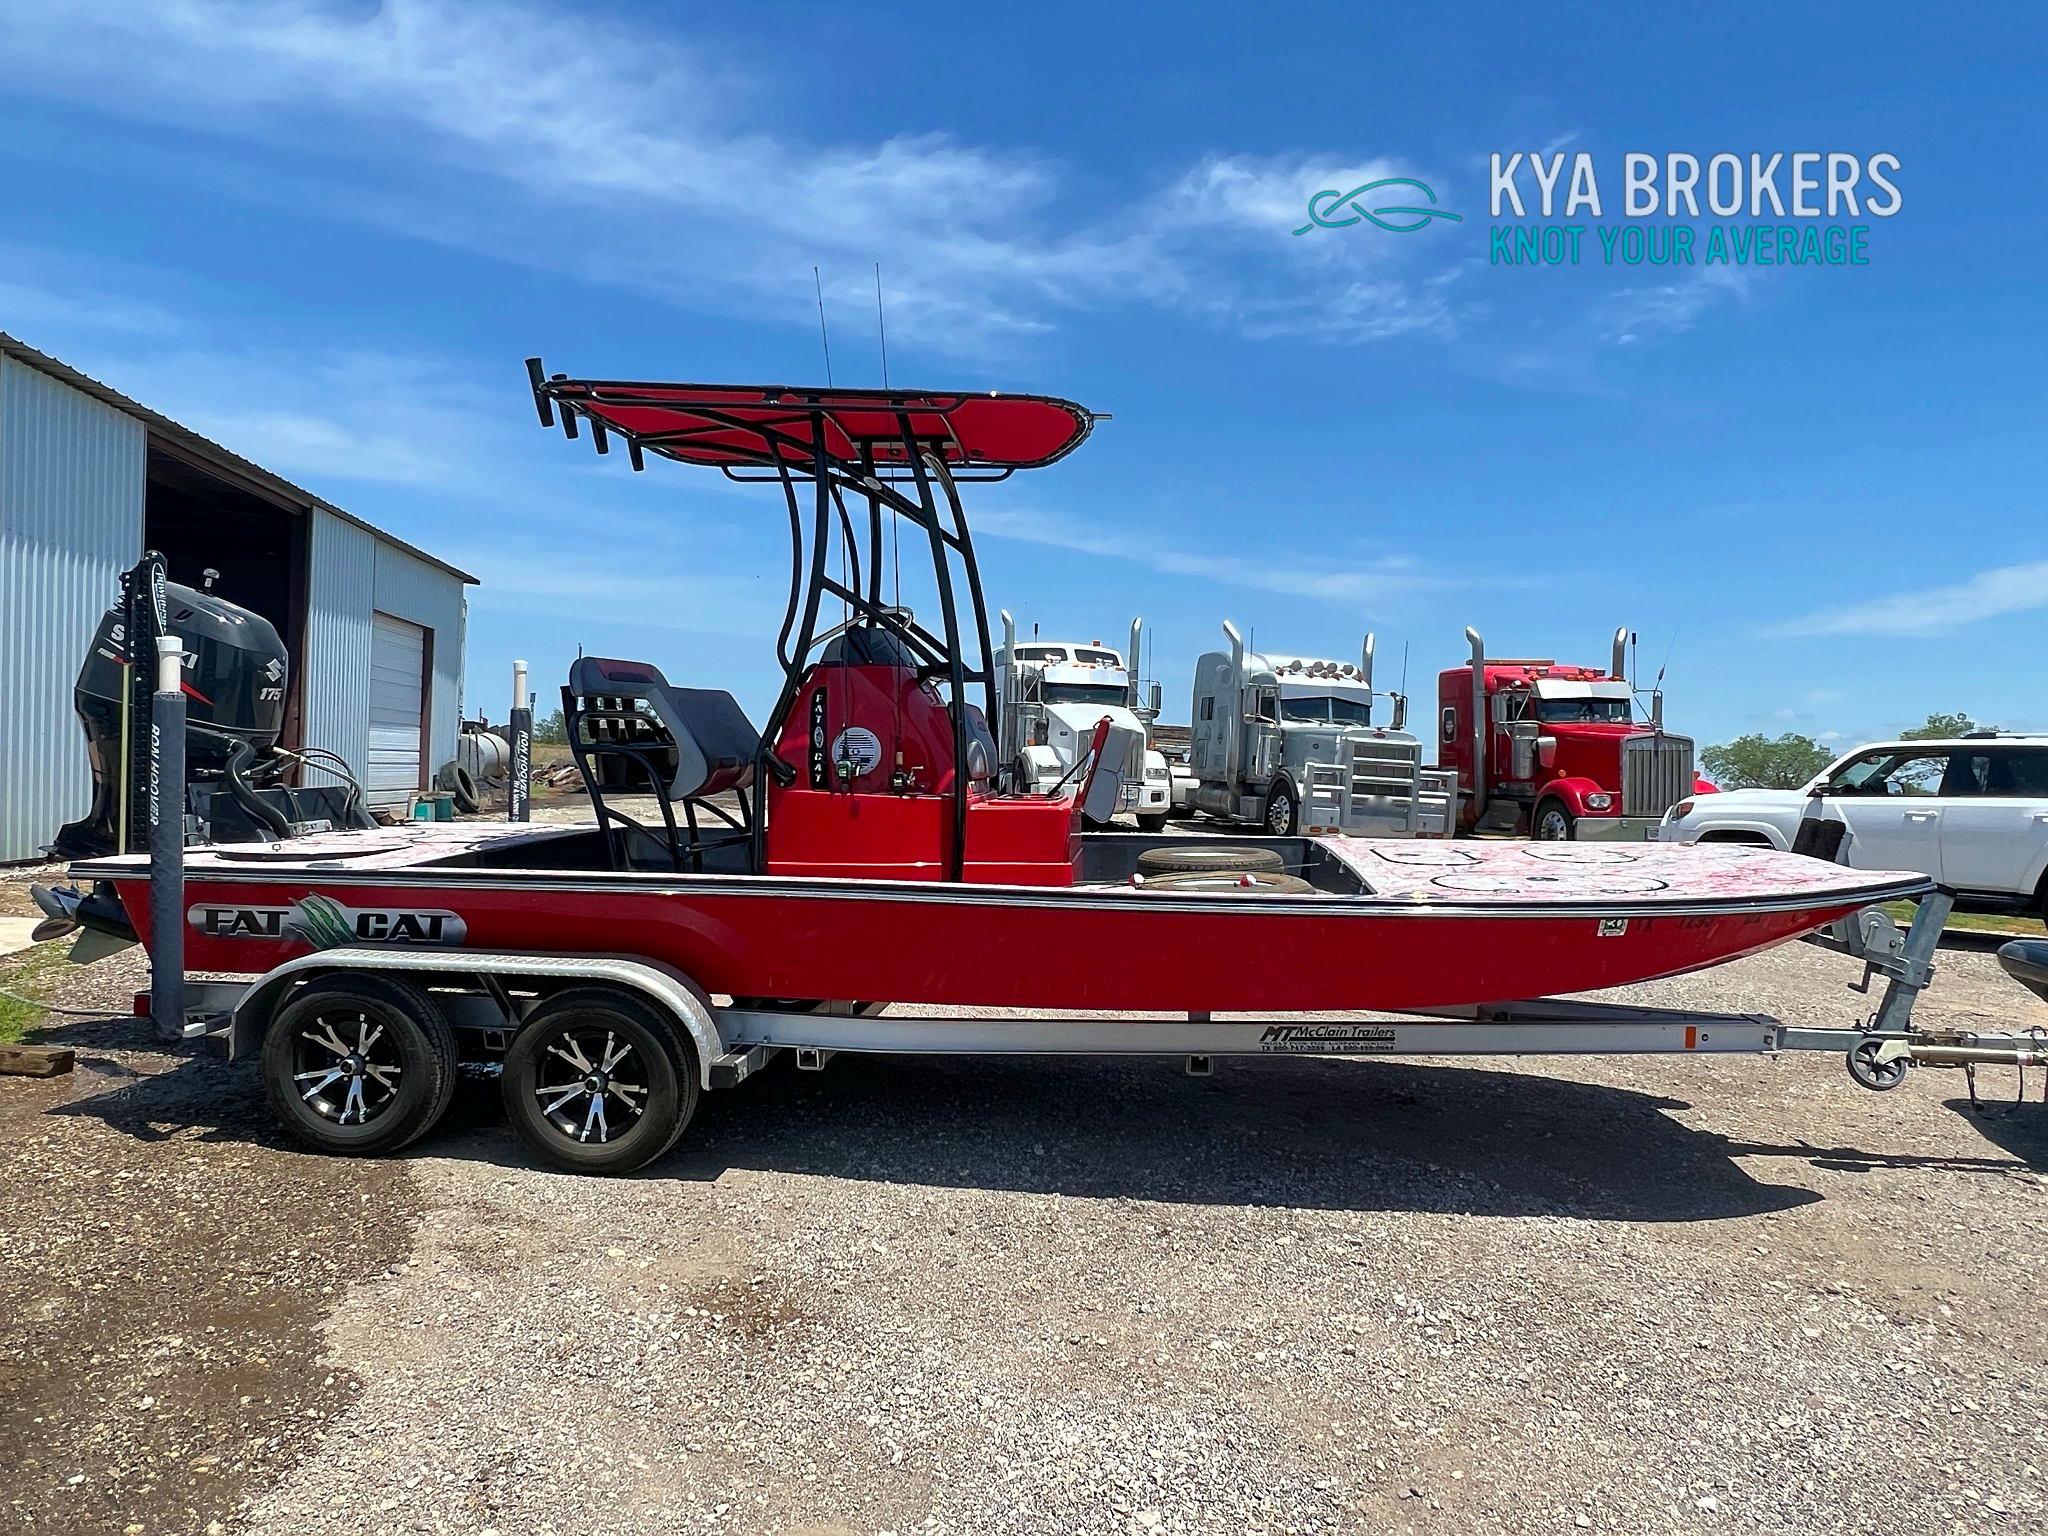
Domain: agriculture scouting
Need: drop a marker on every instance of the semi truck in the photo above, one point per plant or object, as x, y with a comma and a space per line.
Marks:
1290, 743
1050, 694
1559, 750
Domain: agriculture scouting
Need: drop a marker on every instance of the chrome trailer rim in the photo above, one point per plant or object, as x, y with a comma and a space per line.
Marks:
345, 1068
591, 1084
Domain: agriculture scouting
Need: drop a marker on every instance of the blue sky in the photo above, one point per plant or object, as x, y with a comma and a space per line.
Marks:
326, 234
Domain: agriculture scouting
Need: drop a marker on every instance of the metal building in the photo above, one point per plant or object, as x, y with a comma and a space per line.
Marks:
89, 480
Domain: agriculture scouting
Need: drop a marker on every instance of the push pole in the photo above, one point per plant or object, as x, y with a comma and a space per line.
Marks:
518, 786
166, 802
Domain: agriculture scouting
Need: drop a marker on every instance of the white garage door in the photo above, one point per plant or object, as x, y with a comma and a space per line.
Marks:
398, 665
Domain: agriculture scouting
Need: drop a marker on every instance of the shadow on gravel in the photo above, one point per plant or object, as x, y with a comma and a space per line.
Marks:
2021, 1129
1319, 1134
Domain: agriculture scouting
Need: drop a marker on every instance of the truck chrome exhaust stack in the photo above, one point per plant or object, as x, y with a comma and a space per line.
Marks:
1478, 721
1131, 662
1234, 736
1365, 660
1007, 746
1620, 667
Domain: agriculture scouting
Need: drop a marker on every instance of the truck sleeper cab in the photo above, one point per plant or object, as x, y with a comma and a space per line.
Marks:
1051, 695
1290, 743
1562, 754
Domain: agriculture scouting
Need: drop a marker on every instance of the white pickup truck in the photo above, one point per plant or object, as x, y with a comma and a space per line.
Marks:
1972, 812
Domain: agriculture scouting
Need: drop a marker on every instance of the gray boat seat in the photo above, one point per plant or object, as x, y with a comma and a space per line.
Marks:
693, 742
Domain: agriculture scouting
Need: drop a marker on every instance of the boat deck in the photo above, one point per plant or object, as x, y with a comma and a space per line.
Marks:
1468, 875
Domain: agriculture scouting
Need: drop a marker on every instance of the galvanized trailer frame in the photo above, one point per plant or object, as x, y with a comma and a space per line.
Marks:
490, 997
487, 994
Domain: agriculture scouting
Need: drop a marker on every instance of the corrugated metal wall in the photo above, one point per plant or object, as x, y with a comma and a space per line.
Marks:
71, 499
343, 589
355, 574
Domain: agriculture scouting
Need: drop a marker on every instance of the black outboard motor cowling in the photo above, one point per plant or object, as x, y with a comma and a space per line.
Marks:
234, 702
234, 680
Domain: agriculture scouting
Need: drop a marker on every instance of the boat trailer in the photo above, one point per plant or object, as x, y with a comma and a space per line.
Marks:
486, 997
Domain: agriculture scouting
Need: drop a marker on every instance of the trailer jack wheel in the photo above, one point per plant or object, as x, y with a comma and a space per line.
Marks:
599, 1081
1878, 1073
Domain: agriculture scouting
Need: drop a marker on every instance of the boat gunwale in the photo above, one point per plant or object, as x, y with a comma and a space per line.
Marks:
1085, 897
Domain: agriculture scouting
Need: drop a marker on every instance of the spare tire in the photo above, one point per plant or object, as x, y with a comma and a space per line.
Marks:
461, 783
1241, 882
1208, 859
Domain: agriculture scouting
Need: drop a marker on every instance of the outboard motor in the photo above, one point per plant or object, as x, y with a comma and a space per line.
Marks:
235, 676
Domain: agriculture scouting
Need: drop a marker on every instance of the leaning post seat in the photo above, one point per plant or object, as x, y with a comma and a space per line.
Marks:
631, 732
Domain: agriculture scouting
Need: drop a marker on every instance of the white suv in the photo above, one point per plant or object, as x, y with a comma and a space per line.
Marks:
1971, 812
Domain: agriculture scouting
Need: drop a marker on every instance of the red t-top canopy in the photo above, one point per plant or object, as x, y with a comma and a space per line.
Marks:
737, 425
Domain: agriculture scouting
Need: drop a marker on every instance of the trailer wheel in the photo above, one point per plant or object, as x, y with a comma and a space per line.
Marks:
1152, 821
599, 1081
359, 1064
1282, 816
1878, 1076
1554, 823
1207, 859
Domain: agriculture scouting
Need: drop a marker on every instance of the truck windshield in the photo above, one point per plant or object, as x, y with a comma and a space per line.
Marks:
1082, 693
1316, 708
1585, 711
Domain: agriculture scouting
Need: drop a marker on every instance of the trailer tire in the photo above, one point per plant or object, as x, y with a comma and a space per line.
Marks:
1253, 882
555, 1108
1152, 821
1552, 823
1283, 814
1208, 859
400, 1034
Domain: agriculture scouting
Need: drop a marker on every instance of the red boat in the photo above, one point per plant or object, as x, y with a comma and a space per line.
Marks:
865, 847
1377, 925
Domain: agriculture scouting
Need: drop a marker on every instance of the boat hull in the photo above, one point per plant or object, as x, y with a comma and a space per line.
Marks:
984, 947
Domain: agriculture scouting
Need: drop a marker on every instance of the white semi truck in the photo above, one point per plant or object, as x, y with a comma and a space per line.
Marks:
1290, 744
1050, 694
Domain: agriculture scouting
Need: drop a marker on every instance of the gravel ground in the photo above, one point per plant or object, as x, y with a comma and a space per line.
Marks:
1302, 1295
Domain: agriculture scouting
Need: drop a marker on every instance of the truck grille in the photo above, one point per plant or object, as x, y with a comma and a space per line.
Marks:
1384, 769
1656, 773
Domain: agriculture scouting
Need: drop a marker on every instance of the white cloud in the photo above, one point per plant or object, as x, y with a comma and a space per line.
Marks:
28, 311
1630, 314
571, 140
387, 419
1932, 610
1371, 584
521, 577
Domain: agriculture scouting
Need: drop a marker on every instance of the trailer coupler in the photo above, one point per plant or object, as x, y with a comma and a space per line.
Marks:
1879, 1053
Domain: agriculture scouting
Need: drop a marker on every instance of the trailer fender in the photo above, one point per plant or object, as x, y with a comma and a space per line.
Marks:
666, 988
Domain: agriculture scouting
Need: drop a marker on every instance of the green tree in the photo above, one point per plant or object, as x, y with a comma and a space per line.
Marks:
550, 728
1756, 761
1940, 726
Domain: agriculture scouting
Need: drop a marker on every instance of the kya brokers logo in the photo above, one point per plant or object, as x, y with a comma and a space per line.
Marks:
1323, 208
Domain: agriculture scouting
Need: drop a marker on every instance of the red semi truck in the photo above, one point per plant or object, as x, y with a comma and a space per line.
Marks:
1562, 752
